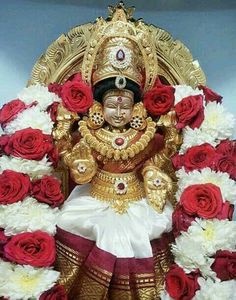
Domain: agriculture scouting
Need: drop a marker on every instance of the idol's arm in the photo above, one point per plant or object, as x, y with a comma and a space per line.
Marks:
158, 173
78, 158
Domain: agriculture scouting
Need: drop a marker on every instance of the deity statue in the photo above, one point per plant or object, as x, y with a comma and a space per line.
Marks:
112, 239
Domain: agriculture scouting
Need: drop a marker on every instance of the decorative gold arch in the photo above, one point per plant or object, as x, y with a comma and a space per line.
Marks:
64, 57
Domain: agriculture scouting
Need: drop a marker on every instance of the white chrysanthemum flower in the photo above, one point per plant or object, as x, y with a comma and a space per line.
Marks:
28, 216
190, 255
34, 168
183, 91
6, 268
213, 234
195, 137
32, 117
165, 296
40, 94
216, 290
27, 282
206, 175
217, 121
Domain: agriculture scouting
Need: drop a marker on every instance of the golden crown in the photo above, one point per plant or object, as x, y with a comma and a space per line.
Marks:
120, 47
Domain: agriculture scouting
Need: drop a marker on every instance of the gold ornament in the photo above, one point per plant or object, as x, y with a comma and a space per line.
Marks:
118, 154
158, 187
81, 163
96, 118
139, 116
118, 189
119, 47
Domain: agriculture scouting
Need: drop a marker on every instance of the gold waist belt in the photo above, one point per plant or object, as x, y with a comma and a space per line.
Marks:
118, 189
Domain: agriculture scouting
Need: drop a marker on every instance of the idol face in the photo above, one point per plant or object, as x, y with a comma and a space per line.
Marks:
117, 109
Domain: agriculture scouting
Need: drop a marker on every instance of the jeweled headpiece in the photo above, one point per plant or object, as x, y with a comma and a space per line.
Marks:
122, 48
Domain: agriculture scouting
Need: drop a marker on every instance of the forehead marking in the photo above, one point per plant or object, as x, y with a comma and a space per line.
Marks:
119, 99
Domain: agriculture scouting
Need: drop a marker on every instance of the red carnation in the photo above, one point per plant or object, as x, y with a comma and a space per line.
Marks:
199, 157
31, 248
203, 200
14, 187
76, 95
48, 190
159, 100
181, 220
210, 95
29, 144
55, 293
181, 286
190, 112
225, 265
10, 110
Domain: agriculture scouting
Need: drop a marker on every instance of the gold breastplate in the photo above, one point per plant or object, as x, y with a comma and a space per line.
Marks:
118, 189
118, 146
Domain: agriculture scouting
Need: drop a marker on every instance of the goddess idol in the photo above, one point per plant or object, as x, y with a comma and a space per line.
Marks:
114, 229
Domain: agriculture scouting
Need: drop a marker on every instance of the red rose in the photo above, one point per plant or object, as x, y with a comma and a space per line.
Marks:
53, 156
55, 88
55, 293
14, 187
199, 157
31, 248
76, 95
210, 95
226, 161
227, 147
181, 286
226, 212
48, 190
3, 240
203, 200
29, 144
225, 265
10, 110
177, 161
181, 221
159, 100
3, 142
52, 110
190, 112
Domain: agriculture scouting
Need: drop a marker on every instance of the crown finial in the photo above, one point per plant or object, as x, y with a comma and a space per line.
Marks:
120, 11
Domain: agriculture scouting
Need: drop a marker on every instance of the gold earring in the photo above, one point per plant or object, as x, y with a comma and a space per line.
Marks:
96, 118
139, 115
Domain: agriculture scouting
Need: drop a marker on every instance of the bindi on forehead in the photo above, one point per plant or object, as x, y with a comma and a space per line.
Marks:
119, 99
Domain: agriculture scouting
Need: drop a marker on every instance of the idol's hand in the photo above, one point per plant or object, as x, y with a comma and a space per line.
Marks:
81, 163
158, 187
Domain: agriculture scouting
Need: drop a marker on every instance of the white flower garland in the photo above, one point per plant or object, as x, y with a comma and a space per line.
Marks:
27, 282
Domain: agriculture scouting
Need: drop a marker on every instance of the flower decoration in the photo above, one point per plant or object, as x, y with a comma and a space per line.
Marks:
31, 248
76, 95
159, 100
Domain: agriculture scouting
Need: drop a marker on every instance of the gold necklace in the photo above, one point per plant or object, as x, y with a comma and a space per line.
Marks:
118, 153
